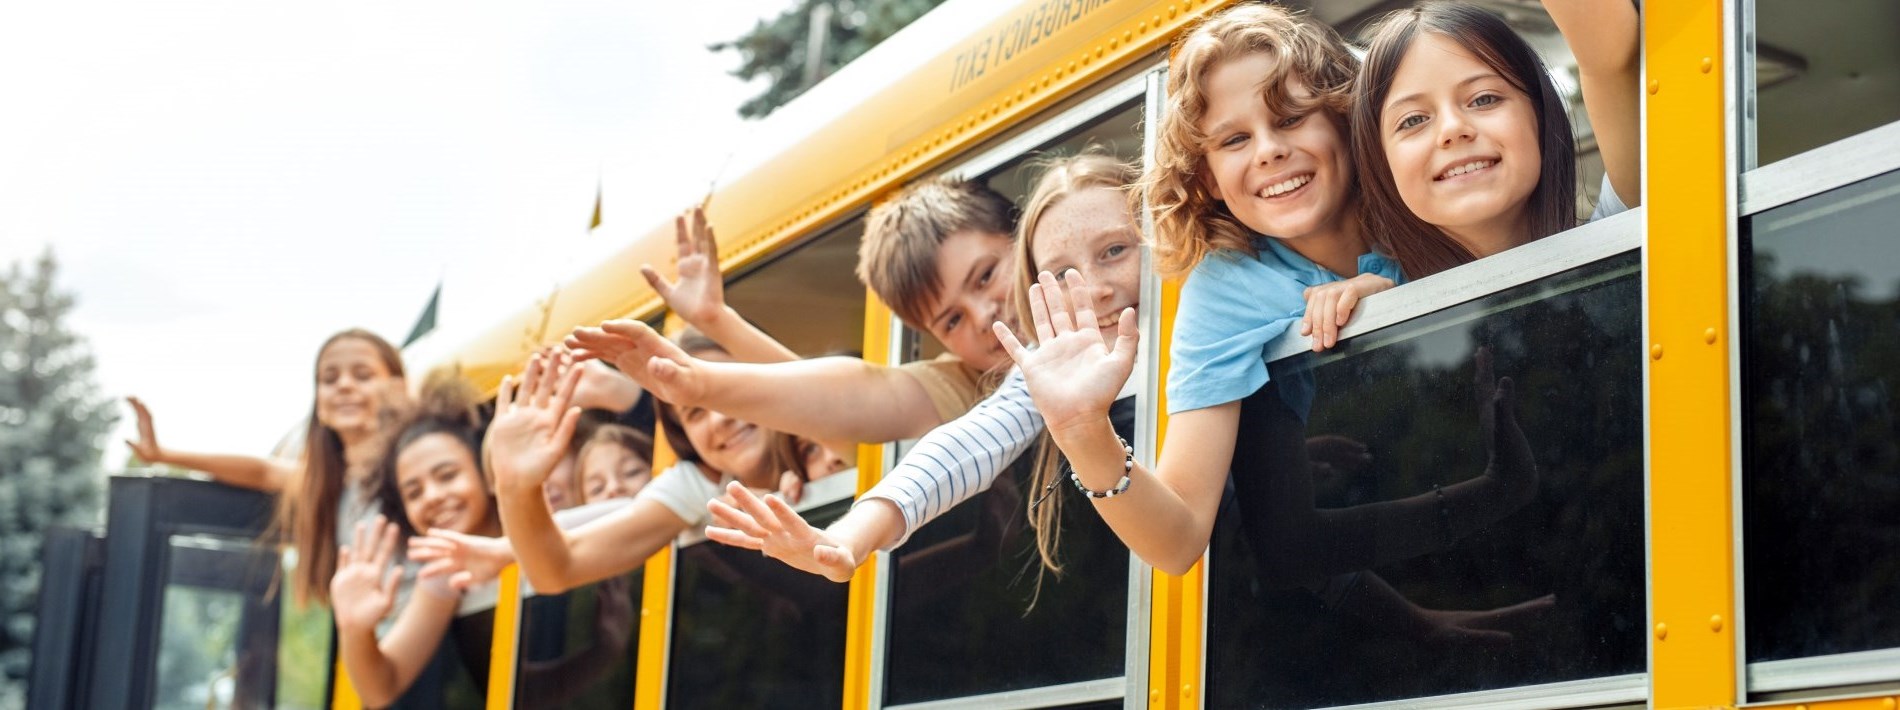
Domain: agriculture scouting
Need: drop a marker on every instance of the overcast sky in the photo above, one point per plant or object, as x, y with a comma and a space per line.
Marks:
226, 183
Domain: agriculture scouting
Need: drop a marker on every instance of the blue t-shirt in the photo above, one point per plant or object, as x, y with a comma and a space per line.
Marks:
1231, 306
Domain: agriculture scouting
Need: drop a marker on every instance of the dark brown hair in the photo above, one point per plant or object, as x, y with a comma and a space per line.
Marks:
621, 435
447, 405
307, 507
1421, 248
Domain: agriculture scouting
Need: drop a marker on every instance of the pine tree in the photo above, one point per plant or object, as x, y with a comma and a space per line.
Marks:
53, 421
778, 48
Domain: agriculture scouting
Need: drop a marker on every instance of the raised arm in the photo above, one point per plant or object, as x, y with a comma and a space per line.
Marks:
1164, 516
951, 464
1604, 37
699, 296
528, 437
833, 399
362, 593
268, 475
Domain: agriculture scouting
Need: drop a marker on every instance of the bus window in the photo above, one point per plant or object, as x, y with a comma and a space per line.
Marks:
1389, 536
750, 632
1015, 627
1820, 462
1821, 73
578, 649
809, 299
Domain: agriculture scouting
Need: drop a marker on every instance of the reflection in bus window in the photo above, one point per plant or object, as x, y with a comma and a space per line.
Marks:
578, 649
1365, 529
1823, 73
750, 632
1821, 462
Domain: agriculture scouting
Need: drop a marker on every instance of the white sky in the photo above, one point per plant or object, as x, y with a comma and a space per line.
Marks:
226, 183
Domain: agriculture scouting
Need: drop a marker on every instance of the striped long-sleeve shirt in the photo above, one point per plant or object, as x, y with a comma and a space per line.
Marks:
960, 459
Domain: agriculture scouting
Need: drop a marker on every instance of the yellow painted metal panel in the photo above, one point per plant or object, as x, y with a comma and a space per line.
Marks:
342, 693
649, 671
861, 623
1177, 618
503, 644
1692, 645
1028, 59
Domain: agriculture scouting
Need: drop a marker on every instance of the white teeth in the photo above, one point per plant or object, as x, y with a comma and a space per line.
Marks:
1470, 167
1289, 185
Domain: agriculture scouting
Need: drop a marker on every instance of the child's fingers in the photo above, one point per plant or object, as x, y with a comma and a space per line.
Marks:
530, 394
740, 517
1347, 302
1127, 335
787, 518
1078, 287
735, 538
461, 581
682, 236
754, 507
659, 284
570, 381
438, 568
1010, 344
564, 431
505, 395
386, 549
1039, 311
1061, 313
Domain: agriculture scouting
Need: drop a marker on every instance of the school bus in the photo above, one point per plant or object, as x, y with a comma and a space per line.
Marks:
1707, 382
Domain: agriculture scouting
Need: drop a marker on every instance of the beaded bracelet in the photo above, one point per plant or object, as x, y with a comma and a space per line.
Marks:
1128, 466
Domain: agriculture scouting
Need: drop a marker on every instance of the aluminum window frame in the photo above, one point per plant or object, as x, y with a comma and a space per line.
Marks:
1131, 686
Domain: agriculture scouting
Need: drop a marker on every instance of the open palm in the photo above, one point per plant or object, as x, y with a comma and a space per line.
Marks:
532, 426
1073, 374
700, 294
772, 527
639, 351
364, 588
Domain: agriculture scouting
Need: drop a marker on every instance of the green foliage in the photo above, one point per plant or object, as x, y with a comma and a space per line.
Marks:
777, 48
52, 424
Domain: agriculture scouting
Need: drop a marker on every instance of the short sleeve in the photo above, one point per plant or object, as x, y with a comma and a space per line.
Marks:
684, 491
1231, 306
1608, 203
952, 386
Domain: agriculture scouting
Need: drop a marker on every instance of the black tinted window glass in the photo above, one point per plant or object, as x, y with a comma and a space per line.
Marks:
966, 617
1823, 72
1821, 440
750, 632
578, 649
1374, 548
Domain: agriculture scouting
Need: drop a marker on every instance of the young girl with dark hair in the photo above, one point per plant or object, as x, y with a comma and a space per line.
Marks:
1463, 141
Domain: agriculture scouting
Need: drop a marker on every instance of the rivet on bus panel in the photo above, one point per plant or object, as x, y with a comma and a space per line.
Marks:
1128, 36
1662, 631
1157, 21
1171, 12
1887, 703
1070, 69
1708, 65
1655, 351
1187, 690
1708, 336
1154, 697
1141, 26
1654, 86
1715, 623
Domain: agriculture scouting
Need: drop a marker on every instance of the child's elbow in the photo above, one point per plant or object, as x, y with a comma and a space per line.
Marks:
548, 584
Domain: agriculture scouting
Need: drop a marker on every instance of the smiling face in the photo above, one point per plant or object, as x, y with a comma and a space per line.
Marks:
971, 273
732, 446
441, 486
352, 380
1288, 177
1092, 231
612, 471
1462, 144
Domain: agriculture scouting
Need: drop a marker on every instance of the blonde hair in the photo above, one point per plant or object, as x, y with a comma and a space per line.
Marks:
898, 257
1061, 177
1189, 218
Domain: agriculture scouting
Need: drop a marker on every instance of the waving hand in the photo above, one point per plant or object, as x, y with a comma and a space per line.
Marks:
1073, 374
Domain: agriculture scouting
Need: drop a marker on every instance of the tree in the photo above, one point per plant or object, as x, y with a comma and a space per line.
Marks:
781, 48
52, 426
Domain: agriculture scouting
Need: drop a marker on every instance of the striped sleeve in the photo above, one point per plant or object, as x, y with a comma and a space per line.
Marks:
960, 459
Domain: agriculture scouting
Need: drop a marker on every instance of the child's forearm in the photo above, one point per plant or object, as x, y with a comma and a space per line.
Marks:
742, 340
233, 469
1166, 516
962, 458
827, 399
1604, 36
371, 673
540, 547
872, 524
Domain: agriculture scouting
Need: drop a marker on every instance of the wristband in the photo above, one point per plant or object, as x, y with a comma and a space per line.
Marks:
1128, 467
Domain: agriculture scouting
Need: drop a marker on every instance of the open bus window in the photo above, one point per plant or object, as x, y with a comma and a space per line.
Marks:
579, 649
1822, 73
971, 612
1821, 465
1384, 515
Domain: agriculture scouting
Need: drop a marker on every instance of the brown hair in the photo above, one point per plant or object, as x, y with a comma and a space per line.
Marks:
1061, 177
447, 405
693, 342
898, 257
1421, 248
1190, 220
307, 507
620, 435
